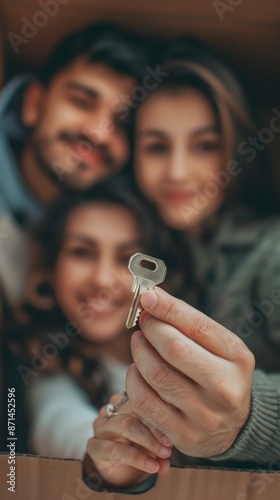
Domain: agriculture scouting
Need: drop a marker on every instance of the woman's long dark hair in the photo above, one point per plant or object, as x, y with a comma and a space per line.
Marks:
32, 333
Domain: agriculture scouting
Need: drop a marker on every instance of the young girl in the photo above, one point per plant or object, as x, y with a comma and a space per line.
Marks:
199, 160
73, 327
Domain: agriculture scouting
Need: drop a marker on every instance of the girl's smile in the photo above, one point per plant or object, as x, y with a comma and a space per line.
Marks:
92, 282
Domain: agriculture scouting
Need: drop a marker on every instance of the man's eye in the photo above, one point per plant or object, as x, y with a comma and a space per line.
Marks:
81, 103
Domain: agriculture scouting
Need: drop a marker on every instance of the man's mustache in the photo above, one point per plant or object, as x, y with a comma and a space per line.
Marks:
87, 143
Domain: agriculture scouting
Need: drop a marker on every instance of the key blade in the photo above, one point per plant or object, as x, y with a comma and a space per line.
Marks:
134, 310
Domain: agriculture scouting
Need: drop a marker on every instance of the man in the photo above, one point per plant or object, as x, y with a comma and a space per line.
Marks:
65, 130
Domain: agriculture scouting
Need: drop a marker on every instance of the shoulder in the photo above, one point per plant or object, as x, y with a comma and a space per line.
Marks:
13, 88
243, 228
241, 237
60, 386
268, 231
264, 253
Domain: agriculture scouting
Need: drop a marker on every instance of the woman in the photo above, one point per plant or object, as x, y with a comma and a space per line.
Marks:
196, 163
75, 348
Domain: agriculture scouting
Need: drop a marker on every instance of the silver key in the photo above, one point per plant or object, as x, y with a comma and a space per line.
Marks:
143, 279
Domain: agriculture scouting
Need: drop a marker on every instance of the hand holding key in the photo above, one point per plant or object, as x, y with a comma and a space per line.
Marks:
143, 279
124, 450
191, 378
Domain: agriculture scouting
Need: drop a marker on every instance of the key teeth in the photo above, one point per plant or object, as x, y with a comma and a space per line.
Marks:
128, 325
137, 316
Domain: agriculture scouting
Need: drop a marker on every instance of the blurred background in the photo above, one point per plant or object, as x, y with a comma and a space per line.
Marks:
245, 32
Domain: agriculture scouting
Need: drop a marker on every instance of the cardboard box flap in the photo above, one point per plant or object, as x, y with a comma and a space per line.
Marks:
39, 478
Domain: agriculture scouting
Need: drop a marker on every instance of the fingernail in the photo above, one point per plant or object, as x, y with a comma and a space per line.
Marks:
149, 299
136, 336
143, 318
165, 452
166, 441
151, 465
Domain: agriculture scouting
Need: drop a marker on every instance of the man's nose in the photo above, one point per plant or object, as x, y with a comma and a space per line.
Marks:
101, 129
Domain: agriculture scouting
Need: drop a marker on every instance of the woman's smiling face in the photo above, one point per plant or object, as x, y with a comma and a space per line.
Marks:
179, 153
91, 278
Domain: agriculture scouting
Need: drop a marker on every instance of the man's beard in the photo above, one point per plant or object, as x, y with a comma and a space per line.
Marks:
55, 169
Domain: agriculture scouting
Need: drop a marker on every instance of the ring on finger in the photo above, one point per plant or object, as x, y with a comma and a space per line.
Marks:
111, 410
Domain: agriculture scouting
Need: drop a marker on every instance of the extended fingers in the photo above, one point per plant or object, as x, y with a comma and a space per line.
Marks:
205, 427
110, 455
190, 322
148, 405
177, 366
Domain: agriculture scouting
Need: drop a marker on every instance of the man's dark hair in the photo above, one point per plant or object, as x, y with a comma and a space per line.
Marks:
101, 42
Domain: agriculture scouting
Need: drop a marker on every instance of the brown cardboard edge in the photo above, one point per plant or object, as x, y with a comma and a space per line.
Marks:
45, 478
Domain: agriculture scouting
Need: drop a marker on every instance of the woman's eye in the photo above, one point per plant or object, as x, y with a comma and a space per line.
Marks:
81, 252
156, 148
206, 146
124, 260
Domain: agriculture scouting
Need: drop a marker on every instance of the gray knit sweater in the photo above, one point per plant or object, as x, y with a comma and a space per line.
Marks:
240, 270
